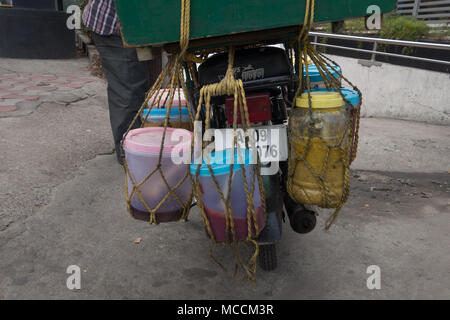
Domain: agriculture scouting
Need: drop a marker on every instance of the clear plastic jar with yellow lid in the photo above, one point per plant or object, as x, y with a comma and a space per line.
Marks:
319, 140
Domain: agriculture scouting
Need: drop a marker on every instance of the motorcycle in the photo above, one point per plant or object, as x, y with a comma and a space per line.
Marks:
269, 83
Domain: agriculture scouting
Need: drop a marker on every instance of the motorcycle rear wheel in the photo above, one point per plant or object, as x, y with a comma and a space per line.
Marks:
268, 257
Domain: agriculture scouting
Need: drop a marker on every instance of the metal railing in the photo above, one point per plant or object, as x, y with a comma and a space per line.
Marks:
432, 11
376, 41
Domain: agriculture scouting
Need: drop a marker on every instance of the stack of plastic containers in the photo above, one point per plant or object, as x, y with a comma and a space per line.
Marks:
179, 114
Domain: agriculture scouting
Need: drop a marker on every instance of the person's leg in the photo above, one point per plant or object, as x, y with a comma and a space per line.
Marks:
127, 84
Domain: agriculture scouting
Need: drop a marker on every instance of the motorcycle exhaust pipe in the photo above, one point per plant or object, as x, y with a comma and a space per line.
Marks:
301, 219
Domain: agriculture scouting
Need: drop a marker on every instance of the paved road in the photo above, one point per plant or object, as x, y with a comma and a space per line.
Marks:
62, 203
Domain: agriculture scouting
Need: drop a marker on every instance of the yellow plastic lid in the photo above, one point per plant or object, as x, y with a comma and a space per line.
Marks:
320, 100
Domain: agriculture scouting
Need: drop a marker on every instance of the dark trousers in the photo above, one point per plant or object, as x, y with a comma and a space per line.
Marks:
128, 81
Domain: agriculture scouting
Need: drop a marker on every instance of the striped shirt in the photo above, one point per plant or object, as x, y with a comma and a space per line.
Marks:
100, 17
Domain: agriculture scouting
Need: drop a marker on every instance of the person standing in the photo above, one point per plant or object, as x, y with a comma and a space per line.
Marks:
127, 77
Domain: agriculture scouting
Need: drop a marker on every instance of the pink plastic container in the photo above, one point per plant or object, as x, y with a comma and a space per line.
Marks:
175, 103
142, 149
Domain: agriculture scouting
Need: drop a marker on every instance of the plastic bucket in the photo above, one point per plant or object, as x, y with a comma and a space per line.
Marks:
214, 207
142, 150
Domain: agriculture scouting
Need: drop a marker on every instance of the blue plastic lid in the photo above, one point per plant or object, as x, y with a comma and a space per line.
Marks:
161, 112
314, 74
221, 162
351, 95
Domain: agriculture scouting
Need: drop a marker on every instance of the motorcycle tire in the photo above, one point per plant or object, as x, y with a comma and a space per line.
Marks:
268, 257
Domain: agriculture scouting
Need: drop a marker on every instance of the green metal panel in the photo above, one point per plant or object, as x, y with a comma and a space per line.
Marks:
146, 22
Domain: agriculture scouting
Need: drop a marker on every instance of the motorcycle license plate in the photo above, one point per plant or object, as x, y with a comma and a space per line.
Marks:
271, 141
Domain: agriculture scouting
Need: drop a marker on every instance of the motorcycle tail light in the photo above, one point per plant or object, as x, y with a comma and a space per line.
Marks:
258, 105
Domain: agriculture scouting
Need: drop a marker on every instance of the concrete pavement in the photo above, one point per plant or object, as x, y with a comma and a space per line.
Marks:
62, 203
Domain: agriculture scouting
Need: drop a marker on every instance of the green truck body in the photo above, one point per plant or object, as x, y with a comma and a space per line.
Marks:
156, 22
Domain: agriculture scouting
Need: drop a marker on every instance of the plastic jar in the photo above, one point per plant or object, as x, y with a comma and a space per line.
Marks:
157, 117
354, 99
315, 77
213, 205
142, 149
328, 127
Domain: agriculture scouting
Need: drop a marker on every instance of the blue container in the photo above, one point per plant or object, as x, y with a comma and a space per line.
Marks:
213, 205
315, 77
221, 165
158, 115
352, 96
